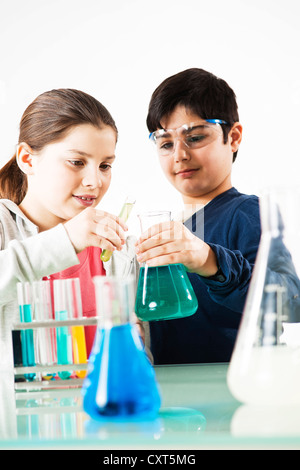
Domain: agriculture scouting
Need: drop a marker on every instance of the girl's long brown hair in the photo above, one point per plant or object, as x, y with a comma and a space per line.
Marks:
46, 120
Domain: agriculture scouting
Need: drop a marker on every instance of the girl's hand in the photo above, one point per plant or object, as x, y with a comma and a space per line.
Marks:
172, 242
93, 227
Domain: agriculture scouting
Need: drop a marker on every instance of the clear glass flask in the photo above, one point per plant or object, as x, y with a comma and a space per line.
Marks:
121, 382
163, 292
265, 364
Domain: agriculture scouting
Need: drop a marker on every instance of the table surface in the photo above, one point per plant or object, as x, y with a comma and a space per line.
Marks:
197, 412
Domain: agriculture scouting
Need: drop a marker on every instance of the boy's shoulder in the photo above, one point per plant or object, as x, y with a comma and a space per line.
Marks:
233, 194
232, 200
227, 210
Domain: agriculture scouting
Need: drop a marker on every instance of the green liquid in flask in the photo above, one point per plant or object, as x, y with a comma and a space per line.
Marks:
164, 293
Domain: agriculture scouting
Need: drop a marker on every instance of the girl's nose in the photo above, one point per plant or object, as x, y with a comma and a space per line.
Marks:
92, 178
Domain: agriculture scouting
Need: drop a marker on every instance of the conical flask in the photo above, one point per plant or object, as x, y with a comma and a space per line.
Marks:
121, 382
265, 364
163, 292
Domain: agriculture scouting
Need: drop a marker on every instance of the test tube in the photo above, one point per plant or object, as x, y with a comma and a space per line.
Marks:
71, 344
124, 214
46, 341
24, 293
78, 334
63, 333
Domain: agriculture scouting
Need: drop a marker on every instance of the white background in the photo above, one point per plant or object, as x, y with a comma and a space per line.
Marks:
120, 50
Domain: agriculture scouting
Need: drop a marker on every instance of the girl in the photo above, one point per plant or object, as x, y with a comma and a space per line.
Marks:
49, 222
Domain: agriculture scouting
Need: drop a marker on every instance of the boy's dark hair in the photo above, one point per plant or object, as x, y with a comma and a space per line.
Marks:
199, 91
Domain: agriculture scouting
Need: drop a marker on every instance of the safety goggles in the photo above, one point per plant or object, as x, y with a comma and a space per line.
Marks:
193, 135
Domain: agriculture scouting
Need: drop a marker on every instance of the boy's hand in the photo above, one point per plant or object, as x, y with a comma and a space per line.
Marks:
93, 227
172, 242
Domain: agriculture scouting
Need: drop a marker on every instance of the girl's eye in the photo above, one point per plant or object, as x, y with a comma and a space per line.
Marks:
76, 162
105, 167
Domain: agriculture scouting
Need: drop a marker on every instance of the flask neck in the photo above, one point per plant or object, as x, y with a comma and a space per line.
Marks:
114, 301
115, 315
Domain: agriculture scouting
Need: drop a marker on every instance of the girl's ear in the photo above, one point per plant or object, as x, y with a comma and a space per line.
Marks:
24, 156
235, 135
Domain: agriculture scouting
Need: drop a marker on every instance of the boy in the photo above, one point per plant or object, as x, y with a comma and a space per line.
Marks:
194, 123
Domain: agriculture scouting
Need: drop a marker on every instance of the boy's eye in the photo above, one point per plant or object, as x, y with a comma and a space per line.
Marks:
167, 145
192, 139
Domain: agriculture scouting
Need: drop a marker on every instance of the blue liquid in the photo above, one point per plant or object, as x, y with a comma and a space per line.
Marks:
27, 341
64, 344
121, 381
165, 293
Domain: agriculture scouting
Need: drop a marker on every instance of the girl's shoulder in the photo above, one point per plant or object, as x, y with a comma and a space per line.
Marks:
8, 212
14, 224
8, 207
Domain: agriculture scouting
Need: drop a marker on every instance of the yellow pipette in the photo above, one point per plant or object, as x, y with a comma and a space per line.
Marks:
124, 214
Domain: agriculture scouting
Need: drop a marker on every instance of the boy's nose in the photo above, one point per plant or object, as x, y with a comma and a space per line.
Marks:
180, 150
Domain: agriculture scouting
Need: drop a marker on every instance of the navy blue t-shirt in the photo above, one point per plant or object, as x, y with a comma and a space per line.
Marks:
232, 229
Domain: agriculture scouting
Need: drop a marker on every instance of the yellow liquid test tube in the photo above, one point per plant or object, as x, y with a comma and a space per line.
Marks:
124, 214
79, 349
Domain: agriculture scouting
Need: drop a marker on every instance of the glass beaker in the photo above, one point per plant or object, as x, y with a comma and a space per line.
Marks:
121, 382
163, 292
265, 364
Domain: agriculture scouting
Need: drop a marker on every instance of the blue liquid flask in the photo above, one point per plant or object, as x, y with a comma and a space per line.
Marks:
27, 337
163, 292
121, 382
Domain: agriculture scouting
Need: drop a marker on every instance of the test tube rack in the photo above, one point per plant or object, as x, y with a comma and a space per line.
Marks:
38, 383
